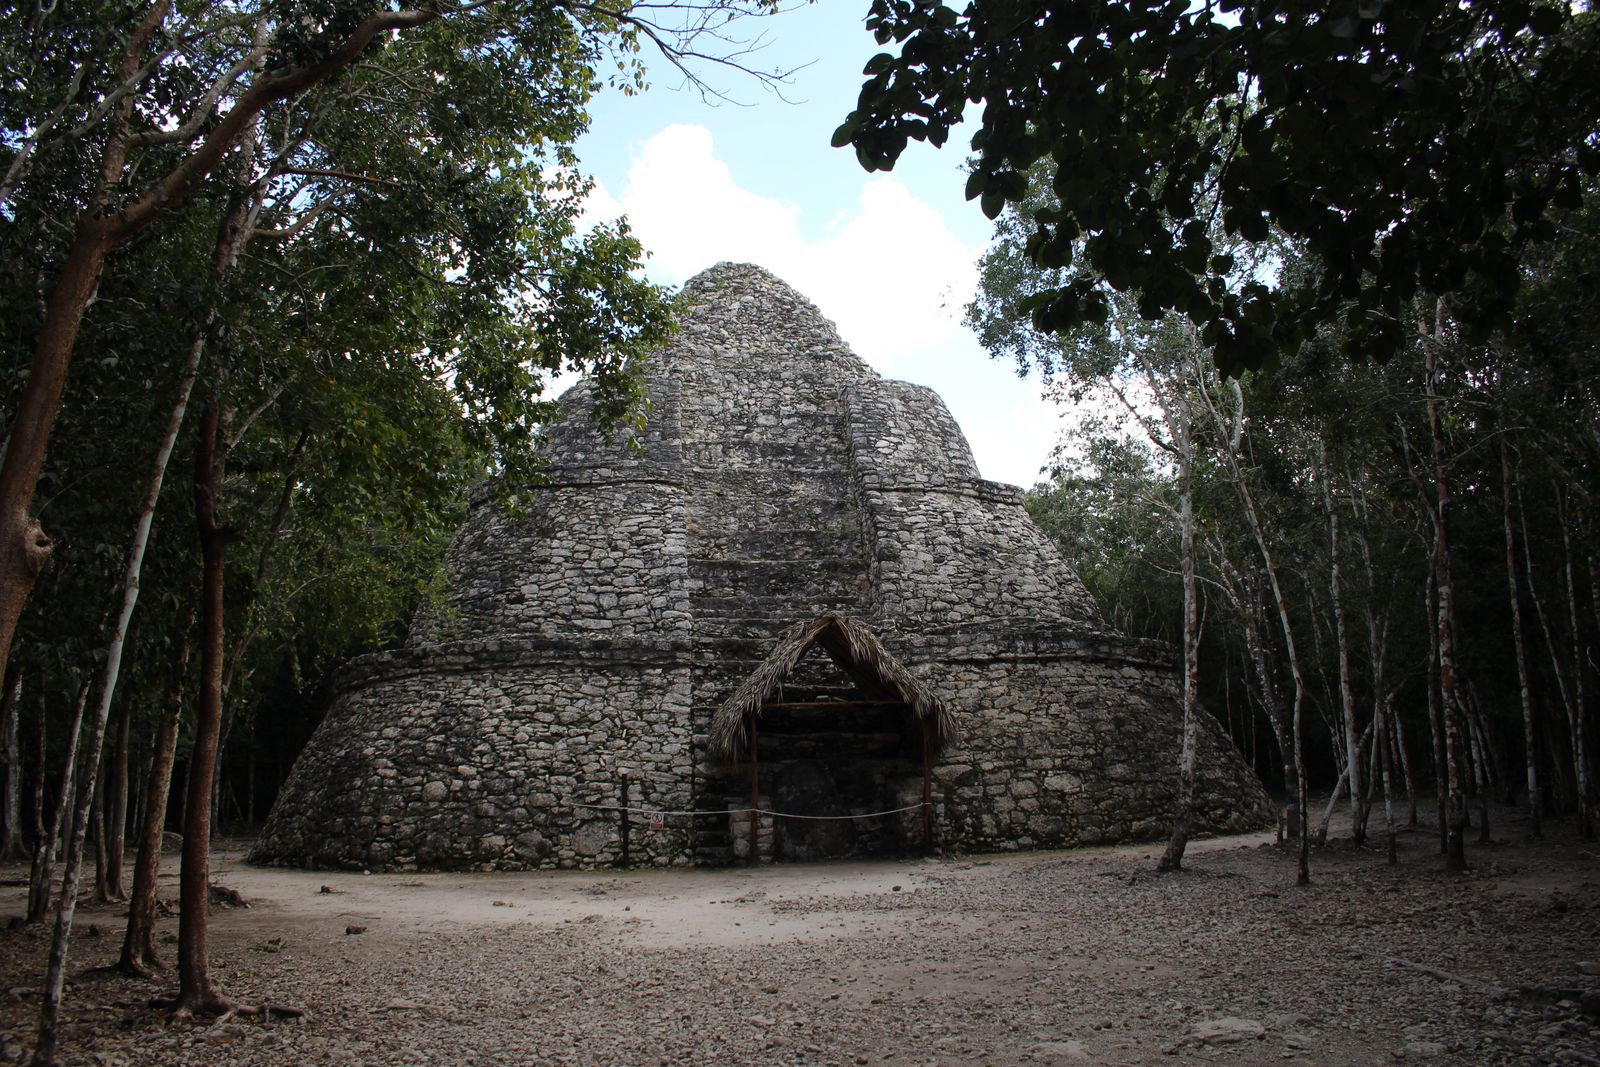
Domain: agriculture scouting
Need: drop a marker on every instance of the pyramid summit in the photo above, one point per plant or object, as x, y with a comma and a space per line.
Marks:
792, 596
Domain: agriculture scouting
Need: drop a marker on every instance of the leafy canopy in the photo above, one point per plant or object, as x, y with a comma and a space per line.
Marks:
1405, 147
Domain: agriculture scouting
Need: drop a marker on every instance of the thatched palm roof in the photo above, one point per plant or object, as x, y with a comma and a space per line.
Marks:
858, 653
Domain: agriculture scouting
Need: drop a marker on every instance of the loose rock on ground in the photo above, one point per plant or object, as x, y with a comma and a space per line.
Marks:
1052, 958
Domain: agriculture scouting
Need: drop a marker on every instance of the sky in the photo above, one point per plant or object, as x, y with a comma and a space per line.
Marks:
890, 258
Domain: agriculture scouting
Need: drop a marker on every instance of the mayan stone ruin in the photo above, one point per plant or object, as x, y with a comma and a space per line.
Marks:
799, 563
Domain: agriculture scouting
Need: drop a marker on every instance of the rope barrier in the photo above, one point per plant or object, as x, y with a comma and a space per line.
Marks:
759, 811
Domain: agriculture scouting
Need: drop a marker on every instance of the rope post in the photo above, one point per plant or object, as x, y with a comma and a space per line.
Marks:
755, 798
622, 774
927, 786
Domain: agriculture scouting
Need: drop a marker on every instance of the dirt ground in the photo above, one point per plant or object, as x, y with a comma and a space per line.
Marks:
1043, 958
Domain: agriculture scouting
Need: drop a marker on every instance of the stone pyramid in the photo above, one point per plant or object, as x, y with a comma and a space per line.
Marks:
553, 710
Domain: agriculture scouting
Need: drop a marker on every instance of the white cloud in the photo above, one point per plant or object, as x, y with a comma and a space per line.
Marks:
888, 271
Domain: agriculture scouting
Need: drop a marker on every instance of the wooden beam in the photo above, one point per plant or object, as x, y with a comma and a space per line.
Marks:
927, 786
755, 798
823, 705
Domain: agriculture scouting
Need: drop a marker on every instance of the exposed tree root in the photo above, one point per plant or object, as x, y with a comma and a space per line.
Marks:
193, 1008
1446, 976
148, 968
1588, 1000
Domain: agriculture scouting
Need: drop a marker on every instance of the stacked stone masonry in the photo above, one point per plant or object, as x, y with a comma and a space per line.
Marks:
590, 636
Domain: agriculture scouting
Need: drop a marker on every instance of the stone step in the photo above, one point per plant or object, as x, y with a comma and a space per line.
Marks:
726, 517
782, 539
738, 454
827, 578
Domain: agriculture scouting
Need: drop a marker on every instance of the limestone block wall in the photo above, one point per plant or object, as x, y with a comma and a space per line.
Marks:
597, 629
773, 523
482, 755
737, 311
948, 548
587, 557
1071, 738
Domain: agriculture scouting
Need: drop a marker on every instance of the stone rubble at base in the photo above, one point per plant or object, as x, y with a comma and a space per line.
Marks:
593, 635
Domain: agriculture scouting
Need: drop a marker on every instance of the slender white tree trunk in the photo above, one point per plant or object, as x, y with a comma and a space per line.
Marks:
1241, 486
1580, 756
55, 970
1172, 858
44, 852
1525, 691
1347, 698
1454, 754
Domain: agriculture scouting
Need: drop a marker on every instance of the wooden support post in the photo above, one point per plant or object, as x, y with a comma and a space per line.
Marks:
755, 797
623, 774
927, 787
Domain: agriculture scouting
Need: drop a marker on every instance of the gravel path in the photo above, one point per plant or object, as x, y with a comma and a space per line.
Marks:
1081, 957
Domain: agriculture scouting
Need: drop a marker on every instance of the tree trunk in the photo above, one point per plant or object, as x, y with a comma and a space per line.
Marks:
1580, 725
1380, 719
1479, 747
104, 226
10, 734
251, 626
1405, 759
1455, 824
44, 852
1172, 858
1435, 719
1347, 698
55, 974
1580, 758
196, 995
23, 544
1556, 666
139, 942
97, 826
1246, 600
1296, 718
1340, 786
117, 841
1524, 688
40, 751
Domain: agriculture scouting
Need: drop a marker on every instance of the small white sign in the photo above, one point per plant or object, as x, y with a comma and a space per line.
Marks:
657, 820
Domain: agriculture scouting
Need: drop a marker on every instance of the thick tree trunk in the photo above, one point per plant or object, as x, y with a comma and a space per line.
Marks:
23, 544
196, 995
10, 735
139, 941
1524, 688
